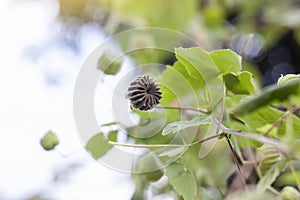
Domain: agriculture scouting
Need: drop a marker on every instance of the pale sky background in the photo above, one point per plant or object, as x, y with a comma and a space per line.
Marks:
36, 96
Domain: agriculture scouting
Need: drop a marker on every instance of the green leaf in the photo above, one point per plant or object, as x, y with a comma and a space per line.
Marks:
172, 152
268, 156
109, 64
255, 121
288, 178
109, 124
288, 78
112, 136
261, 120
178, 126
178, 85
266, 127
268, 96
149, 166
240, 83
226, 60
183, 180
198, 63
49, 141
98, 145
270, 176
201, 67
289, 193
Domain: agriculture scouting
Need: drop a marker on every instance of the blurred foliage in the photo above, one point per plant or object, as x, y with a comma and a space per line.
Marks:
213, 20
256, 117
272, 25
266, 34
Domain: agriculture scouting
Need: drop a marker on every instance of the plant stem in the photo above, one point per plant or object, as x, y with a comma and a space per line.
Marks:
164, 145
222, 110
280, 120
241, 175
279, 145
250, 36
184, 108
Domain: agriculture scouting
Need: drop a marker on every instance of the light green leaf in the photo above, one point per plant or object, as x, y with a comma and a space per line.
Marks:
255, 120
183, 180
172, 152
289, 178
49, 141
268, 156
287, 78
178, 126
198, 63
259, 120
240, 83
268, 127
270, 176
178, 85
268, 96
289, 193
98, 145
109, 64
226, 60
202, 68
109, 124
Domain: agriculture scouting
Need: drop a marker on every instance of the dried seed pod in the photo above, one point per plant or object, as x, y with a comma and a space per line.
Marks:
143, 93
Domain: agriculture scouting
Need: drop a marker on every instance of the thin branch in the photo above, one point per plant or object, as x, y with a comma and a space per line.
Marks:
241, 175
281, 119
222, 110
164, 145
260, 138
184, 108
250, 36
146, 145
279, 145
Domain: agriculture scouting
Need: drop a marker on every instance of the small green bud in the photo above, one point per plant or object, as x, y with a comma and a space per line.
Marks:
49, 141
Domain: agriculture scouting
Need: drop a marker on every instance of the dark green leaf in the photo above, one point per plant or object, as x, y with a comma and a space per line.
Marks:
240, 83
98, 145
183, 180
49, 141
226, 60
267, 96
